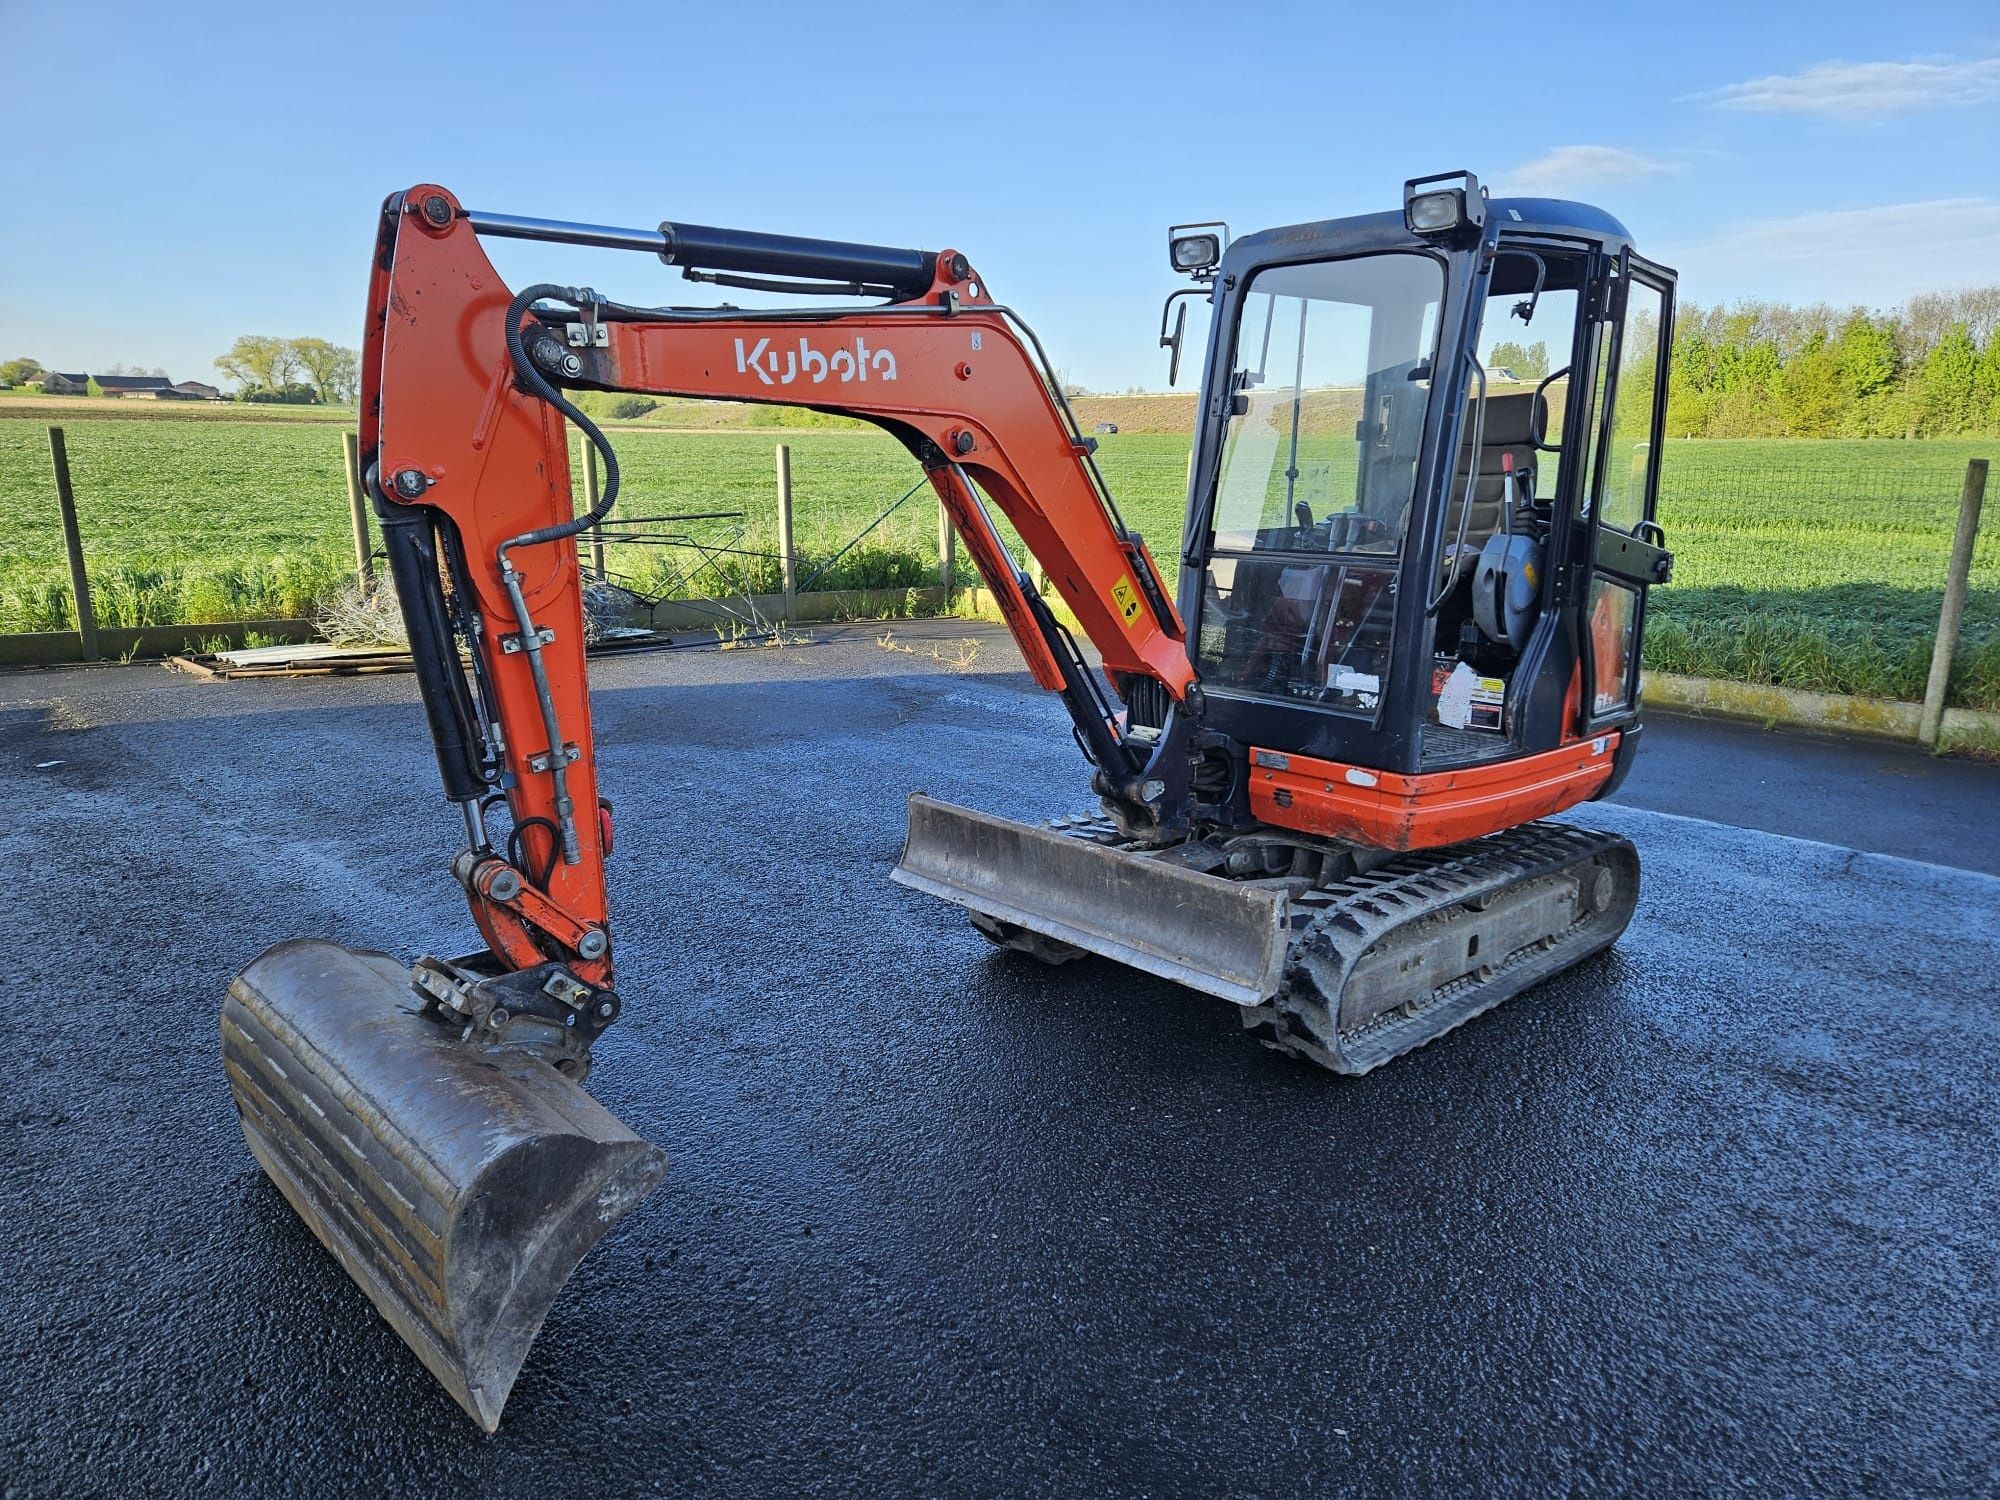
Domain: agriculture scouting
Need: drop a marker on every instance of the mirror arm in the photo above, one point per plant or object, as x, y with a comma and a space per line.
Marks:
1525, 311
1538, 437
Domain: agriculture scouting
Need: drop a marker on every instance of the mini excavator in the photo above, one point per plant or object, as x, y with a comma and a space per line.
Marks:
1411, 596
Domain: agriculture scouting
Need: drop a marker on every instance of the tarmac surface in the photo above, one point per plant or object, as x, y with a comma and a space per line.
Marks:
1715, 1210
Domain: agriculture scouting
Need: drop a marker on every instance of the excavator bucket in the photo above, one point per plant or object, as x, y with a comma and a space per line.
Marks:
1223, 937
457, 1187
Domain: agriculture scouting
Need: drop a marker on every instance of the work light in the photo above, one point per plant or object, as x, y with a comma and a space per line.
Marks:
1444, 210
1432, 212
1194, 249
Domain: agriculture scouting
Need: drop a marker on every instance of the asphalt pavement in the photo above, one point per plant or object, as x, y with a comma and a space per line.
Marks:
1716, 1210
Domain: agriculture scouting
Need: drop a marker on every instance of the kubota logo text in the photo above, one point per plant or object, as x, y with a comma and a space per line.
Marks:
843, 364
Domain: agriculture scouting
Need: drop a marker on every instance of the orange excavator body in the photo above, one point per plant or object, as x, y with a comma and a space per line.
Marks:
1275, 827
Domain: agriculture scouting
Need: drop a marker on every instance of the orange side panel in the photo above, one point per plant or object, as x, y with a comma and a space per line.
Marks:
1385, 810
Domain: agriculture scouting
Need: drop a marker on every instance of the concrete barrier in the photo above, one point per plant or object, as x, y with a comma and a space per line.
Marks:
1840, 712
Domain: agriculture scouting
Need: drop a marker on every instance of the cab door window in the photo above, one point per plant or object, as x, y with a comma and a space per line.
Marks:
1623, 490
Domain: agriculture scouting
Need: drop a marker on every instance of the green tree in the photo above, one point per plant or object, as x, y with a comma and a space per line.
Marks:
1866, 353
1691, 379
1529, 361
1986, 383
329, 367
255, 360
1949, 384
1810, 391
14, 371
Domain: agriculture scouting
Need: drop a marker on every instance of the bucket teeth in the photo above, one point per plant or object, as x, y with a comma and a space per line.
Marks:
458, 1188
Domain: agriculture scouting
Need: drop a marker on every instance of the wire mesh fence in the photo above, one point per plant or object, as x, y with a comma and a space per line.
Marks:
1821, 565
1807, 563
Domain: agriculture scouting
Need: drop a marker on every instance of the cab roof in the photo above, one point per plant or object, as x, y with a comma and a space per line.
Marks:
1360, 233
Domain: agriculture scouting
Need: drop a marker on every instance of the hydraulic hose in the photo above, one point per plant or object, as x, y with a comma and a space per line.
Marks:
531, 642
540, 386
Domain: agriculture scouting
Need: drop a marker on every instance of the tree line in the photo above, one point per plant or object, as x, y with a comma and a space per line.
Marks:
1930, 368
290, 370
265, 369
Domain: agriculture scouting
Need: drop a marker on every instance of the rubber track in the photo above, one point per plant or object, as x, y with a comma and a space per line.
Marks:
1335, 926
1345, 920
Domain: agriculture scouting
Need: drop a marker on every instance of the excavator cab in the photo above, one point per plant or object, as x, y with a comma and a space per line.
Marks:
1400, 554
1419, 539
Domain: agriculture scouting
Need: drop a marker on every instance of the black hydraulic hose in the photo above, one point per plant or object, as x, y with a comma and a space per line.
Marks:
539, 385
517, 850
530, 638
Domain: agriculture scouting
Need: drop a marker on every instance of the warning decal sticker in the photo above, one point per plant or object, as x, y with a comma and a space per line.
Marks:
1126, 597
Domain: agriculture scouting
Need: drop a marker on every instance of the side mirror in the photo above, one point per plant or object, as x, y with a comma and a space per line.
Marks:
1171, 342
1173, 325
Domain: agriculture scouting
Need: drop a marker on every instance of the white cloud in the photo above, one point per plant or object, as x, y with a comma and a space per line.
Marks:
1570, 168
1861, 91
1872, 256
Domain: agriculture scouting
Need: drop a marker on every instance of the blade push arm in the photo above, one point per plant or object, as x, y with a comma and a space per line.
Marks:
466, 449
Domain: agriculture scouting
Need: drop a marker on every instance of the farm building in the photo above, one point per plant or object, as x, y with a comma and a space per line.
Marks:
146, 387
61, 383
198, 390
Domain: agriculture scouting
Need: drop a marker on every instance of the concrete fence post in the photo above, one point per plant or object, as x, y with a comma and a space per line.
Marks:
590, 494
1957, 576
947, 551
788, 556
357, 509
79, 578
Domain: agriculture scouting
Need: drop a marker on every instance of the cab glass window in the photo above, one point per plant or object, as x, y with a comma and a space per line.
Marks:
1329, 387
1629, 467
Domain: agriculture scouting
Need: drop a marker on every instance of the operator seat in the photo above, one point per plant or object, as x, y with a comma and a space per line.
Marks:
1508, 432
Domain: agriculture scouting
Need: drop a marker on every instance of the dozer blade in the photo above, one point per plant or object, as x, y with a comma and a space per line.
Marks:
1223, 937
457, 1187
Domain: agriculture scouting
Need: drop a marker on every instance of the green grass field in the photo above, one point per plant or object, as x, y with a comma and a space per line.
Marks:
1814, 564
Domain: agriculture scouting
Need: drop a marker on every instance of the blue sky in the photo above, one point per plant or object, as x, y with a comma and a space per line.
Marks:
179, 174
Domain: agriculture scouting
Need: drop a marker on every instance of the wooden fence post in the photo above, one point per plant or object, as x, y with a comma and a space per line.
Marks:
79, 579
947, 551
788, 557
590, 494
357, 506
1949, 617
